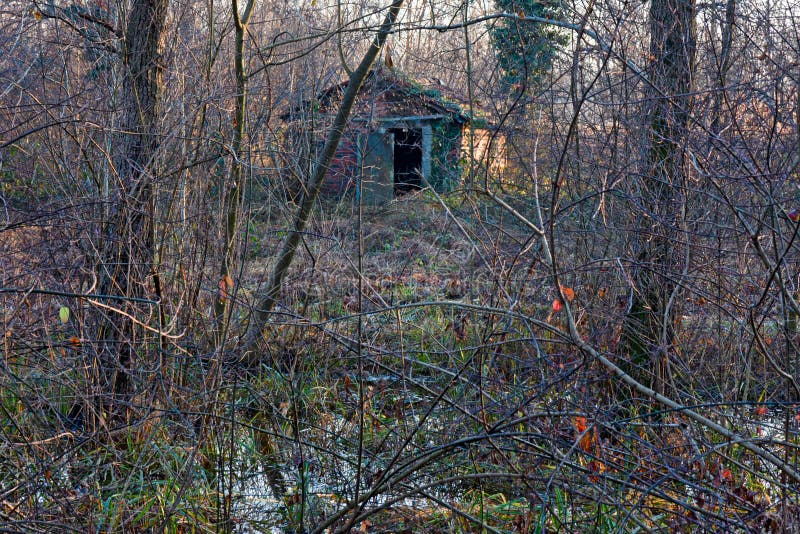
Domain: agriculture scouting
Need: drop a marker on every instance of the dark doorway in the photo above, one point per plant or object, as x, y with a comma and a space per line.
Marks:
407, 159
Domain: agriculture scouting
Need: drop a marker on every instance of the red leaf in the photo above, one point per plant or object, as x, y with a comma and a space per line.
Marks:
760, 411
580, 424
556, 305
596, 466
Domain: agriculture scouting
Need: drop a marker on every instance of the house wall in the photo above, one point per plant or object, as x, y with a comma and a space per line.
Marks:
441, 160
441, 139
342, 171
488, 150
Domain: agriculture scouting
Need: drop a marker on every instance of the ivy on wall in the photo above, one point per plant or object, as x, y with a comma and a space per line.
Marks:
446, 161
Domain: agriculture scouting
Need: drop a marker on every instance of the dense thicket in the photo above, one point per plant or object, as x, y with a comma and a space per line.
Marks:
595, 330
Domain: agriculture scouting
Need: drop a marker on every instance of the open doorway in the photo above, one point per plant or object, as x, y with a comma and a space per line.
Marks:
407, 159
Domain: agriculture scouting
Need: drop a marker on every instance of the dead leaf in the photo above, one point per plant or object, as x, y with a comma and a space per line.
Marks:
351, 303
596, 467
224, 288
454, 288
568, 293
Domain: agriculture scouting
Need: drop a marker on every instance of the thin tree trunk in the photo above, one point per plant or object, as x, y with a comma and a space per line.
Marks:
648, 332
127, 253
222, 304
251, 343
725, 61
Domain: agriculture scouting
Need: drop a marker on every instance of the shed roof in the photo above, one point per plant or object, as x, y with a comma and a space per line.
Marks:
400, 96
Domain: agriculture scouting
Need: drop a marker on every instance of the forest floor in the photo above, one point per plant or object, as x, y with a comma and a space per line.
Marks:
414, 379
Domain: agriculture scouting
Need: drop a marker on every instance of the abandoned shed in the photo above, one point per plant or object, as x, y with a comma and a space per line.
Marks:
401, 135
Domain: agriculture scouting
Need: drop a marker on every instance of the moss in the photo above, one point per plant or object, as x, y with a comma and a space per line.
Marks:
446, 168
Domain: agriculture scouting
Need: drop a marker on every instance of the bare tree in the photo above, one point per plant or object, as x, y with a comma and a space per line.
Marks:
127, 268
600, 335
649, 328
235, 185
285, 257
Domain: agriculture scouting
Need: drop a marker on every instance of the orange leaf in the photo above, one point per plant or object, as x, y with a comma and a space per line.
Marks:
224, 287
568, 293
586, 442
760, 411
75, 341
596, 466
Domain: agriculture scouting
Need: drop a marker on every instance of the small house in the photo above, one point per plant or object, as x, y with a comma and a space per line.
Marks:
401, 136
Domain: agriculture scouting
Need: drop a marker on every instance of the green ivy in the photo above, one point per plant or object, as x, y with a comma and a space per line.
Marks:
446, 167
525, 50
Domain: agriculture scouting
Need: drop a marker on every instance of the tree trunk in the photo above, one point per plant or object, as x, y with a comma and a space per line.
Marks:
127, 253
251, 349
725, 62
648, 331
232, 197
